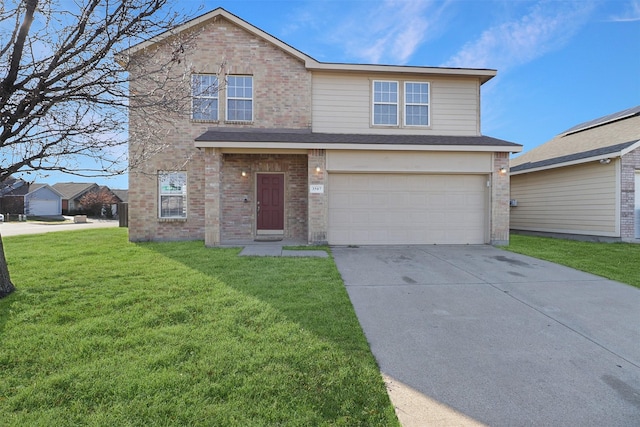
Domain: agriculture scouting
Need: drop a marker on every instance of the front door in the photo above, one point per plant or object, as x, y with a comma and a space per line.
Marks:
270, 203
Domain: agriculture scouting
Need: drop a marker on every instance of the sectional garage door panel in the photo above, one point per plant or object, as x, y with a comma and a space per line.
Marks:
43, 207
406, 209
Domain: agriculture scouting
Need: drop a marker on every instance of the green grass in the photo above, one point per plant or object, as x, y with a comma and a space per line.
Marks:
103, 332
615, 261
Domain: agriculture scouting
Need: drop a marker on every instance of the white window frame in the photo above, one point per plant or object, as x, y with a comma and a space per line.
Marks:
211, 93
417, 104
172, 184
229, 89
382, 103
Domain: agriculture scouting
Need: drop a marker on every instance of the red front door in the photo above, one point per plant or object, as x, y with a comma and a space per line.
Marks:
270, 203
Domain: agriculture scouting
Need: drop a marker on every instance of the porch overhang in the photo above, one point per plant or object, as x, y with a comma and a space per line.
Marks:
294, 139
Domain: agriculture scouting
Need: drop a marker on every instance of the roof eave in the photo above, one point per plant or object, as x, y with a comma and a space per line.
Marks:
611, 155
570, 163
353, 146
483, 74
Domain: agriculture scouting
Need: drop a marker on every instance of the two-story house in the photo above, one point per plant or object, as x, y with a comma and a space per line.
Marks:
280, 145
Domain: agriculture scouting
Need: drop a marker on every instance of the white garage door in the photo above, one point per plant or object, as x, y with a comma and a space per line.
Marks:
43, 207
407, 209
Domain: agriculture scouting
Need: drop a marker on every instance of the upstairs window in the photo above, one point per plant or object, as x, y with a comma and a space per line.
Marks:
239, 98
385, 103
204, 91
416, 104
172, 190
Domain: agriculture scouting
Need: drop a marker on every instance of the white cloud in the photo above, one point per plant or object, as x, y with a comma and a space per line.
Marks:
390, 32
547, 27
631, 14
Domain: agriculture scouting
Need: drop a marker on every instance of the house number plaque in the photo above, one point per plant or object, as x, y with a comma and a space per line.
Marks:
318, 188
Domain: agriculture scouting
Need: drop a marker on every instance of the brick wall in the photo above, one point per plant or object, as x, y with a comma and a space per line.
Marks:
212, 168
238, 220
318, 202
282, 99
500, 192
629, 166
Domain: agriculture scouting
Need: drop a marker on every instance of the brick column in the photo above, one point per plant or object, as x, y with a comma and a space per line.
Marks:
628, 166
318, 202
500, 193
212, 187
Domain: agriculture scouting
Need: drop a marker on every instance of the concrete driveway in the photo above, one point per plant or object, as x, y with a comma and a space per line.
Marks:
34, 227
480, 335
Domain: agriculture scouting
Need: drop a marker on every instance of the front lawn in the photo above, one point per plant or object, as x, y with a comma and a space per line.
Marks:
615, 261
105, 332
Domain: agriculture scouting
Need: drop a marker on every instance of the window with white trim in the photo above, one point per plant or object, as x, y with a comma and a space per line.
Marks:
204, 92
416, 104
385, 103
239, 98
172, 191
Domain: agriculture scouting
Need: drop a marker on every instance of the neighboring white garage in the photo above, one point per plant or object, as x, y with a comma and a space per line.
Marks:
43, 207
385, 208
43, 200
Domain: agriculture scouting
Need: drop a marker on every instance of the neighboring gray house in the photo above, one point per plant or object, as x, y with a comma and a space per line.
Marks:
584, 182
19, 197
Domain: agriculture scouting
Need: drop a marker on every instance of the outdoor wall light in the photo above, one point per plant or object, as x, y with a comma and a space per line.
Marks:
318, 169
244, 173
503, 170
605, 161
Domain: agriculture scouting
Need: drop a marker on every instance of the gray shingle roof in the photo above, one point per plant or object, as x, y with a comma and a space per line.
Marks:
275, 136
71, 190
604, 120
13, 186
606, 134
572, 157
123, 195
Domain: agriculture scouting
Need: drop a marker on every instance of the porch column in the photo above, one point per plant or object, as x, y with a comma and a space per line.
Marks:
318, 197
500, 193
212, 169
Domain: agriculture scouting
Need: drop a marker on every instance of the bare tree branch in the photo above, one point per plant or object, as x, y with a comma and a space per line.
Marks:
64, 90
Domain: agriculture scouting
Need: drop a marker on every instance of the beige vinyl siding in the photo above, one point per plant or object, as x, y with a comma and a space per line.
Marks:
408, 162
579, 199
342, 104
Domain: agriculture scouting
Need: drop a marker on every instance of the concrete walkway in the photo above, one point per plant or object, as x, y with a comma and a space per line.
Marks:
276, 249
473, 335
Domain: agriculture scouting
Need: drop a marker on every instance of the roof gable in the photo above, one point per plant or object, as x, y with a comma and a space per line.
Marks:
483, 75
212, 16
35, 187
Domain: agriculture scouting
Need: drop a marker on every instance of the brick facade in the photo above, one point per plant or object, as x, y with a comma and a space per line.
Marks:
238, 218
630, 165
282, 99
318, 202
500, 191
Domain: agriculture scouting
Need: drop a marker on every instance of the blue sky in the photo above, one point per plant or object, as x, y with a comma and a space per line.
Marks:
559, 63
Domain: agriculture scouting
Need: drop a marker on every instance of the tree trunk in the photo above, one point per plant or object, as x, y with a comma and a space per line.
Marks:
6, 287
